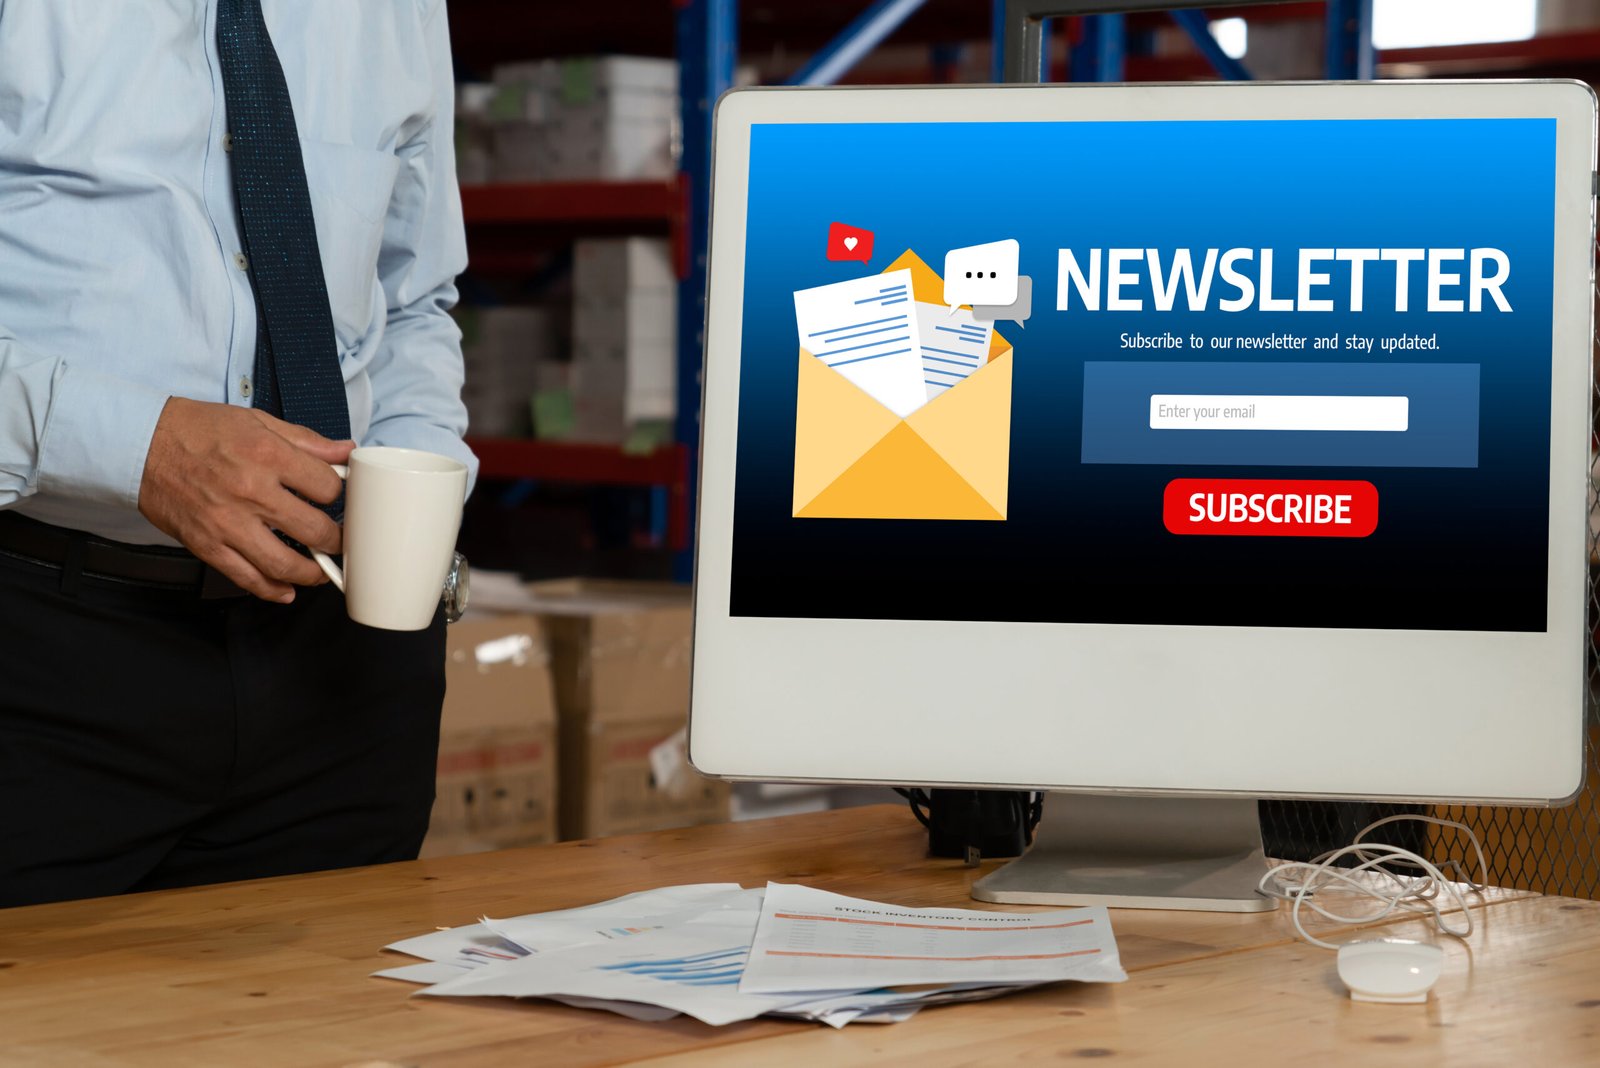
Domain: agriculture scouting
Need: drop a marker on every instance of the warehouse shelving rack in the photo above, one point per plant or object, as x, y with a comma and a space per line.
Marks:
706, 42
706, 37
495, 212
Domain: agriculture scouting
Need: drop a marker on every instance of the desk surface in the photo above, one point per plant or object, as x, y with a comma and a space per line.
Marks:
276, 971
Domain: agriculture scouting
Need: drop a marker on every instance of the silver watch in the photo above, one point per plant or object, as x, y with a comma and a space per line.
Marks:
457, 589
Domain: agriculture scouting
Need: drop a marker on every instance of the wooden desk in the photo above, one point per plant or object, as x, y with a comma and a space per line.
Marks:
275, 971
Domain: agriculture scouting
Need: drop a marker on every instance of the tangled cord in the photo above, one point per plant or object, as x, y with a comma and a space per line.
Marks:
1298, 881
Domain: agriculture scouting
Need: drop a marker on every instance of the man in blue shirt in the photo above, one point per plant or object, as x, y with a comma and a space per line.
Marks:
229, 232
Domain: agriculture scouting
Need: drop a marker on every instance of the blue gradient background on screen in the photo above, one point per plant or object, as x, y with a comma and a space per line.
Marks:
1454, 548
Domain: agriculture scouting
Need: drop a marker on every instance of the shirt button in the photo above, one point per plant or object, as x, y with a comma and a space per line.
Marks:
244, 385
241, 261
227, 142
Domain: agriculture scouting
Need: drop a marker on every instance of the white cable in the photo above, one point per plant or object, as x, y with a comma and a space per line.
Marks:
1298, 881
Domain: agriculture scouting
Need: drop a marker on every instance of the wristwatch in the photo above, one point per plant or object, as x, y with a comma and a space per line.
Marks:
457, 589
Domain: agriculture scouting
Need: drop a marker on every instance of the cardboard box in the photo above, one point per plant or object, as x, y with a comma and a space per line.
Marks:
579, 80
509, 355
497, 739
608, 118
474, 132
617, 389
613, 266
619, 652
624, 332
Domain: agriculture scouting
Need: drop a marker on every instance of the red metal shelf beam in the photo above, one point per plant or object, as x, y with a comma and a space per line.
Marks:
546, 202
492, 213
571, 462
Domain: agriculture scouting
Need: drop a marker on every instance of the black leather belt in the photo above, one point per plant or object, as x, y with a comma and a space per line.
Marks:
79, 555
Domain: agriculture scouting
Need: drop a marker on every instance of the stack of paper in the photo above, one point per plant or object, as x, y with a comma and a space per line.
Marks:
721, 953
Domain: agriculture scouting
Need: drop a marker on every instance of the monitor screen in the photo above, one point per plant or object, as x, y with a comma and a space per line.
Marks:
1152, 374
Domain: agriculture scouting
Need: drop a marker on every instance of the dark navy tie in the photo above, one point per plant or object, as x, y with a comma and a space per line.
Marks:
297, 373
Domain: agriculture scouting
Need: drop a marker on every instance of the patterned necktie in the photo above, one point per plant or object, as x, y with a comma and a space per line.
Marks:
297, 373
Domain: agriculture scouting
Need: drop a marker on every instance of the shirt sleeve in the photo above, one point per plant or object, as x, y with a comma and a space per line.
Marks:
416, 372
70, 431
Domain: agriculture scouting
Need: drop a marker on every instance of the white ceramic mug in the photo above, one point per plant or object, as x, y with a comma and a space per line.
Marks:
402, 511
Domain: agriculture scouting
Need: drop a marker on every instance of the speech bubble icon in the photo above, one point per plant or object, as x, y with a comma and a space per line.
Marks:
982, 274
1018, 311
849, 243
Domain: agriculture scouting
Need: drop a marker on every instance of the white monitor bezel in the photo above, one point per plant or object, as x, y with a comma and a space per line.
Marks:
764, 708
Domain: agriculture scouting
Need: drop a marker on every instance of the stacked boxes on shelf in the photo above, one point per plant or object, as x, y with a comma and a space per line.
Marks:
610, 118
619, 386
619, 664
474, 132
619, 652
624, 327
514, 369
497, 776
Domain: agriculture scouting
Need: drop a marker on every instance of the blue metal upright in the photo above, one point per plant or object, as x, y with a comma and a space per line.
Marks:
1100, 55
836, 58
1198, 27
1350, 52
1017, 26
707, 40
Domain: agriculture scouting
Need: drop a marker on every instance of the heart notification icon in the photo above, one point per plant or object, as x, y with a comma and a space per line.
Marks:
849, 243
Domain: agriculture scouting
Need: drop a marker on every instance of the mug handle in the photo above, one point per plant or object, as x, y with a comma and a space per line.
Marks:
323, 560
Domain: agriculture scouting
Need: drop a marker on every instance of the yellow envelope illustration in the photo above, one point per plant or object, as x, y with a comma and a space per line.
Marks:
949, 459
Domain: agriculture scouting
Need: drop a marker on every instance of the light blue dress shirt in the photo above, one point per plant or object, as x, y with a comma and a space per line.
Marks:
122, 277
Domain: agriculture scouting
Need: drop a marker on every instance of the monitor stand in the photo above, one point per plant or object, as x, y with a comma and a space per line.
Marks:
1200, 854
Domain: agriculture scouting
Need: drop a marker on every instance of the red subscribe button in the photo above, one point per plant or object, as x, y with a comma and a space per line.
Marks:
1284, 508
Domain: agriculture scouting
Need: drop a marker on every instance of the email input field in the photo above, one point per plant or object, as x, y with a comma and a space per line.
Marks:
1440, 428
1190, 411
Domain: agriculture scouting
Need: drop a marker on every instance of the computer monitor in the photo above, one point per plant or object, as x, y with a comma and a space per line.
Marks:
1181, 445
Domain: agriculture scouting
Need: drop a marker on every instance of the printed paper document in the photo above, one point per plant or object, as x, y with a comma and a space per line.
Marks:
678, 949
812, 940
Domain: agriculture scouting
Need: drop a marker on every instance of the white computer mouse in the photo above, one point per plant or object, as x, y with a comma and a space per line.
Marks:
1390, 969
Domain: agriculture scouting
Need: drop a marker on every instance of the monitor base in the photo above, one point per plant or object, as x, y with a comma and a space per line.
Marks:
1197, 854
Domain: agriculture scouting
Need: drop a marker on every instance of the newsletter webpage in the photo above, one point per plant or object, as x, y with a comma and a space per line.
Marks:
1231, 373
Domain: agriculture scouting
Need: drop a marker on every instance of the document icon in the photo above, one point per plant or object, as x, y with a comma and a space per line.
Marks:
953, 346
946, 457
866, 330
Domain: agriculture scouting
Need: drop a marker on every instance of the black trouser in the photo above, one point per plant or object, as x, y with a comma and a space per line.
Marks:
153, 739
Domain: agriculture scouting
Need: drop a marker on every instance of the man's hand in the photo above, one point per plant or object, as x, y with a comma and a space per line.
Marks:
221, 479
